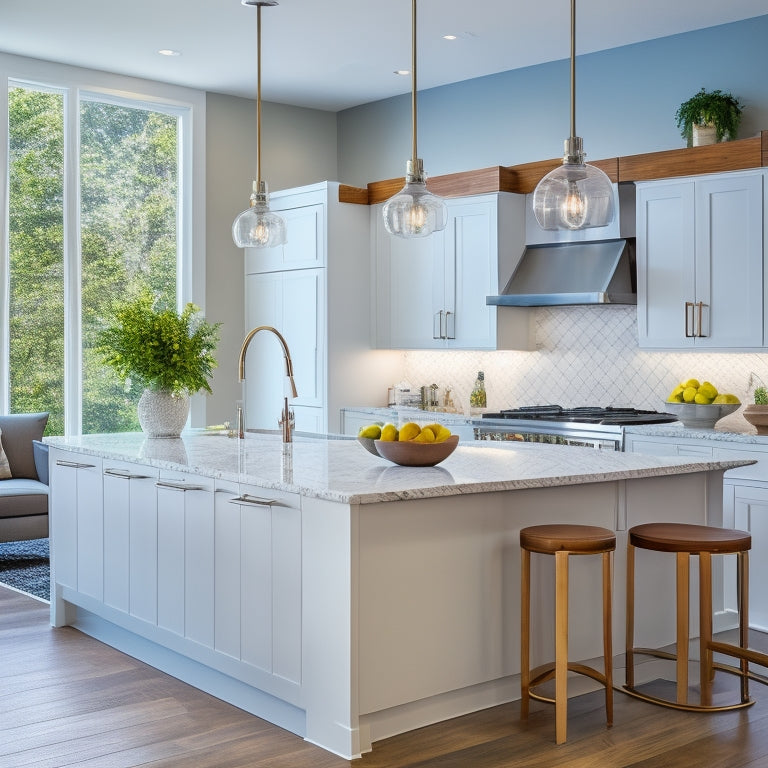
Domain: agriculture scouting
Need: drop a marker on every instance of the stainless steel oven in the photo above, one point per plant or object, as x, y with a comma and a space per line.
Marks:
599, 428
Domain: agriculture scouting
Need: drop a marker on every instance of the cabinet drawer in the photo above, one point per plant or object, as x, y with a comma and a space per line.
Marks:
757, 471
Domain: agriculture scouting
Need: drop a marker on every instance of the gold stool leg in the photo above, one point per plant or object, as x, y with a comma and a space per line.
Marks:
525, 632
706, 670
561, 645
742, 580
630, 633
607, 632
683, 635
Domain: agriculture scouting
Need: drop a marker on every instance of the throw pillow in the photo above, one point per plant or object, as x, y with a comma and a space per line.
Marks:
5, 469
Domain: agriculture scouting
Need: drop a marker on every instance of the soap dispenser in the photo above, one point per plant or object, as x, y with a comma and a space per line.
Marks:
478, 398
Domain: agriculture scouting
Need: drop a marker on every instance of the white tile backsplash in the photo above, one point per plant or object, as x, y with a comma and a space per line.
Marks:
585, 356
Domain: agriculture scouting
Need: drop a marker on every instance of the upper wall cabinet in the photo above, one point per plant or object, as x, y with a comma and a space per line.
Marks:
700, 266
429, 293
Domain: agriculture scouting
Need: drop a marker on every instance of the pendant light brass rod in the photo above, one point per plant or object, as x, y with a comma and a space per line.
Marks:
258, 96
413, 80
573, 67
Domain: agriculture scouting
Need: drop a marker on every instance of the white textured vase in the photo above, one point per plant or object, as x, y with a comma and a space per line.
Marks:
703, 135
162, 414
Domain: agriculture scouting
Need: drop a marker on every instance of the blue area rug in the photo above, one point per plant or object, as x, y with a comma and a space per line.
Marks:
24, 566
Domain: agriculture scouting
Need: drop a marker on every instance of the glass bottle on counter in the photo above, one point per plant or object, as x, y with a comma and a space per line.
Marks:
477, 398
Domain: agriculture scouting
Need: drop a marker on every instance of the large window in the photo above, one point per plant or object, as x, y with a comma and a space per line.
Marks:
87, 227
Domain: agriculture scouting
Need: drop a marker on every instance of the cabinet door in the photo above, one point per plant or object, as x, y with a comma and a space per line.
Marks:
293, 303
90, 531
125, 494
185, 553
751, 514
665, 263
729, 260
413, 272
471, 274
304, 246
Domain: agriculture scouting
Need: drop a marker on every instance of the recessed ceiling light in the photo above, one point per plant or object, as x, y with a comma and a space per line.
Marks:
402, 71
449, 37
169, 52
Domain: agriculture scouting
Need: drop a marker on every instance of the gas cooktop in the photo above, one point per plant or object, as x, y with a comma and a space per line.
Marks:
609, 415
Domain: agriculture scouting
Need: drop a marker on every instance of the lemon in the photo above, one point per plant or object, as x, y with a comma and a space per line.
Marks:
434, 427
372, 430
708, 390
389, 432
408, 431
689, 394
427, 434
726, 398
701, 399
442, 434
691, 383
676, 395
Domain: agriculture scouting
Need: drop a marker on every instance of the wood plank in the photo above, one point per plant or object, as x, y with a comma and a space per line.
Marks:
714, 158
106, 710
354, 195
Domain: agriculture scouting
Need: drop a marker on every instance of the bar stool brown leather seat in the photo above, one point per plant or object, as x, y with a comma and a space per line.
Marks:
563, 541
686, 541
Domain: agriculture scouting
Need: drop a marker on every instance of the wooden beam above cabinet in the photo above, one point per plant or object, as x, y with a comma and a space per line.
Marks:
522, 179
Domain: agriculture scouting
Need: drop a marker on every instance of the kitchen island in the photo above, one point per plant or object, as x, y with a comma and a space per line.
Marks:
333, 593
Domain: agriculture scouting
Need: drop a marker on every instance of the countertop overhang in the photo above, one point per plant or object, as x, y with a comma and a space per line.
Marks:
338, 468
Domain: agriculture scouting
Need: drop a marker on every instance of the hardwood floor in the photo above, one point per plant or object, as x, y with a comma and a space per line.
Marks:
68, 700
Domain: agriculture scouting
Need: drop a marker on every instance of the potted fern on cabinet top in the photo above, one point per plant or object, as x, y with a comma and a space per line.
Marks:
709, 117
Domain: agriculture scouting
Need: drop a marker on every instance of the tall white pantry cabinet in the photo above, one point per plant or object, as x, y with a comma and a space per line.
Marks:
314, 291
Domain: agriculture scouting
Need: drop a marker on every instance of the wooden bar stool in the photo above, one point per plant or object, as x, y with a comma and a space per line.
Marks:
563, 541
687, 540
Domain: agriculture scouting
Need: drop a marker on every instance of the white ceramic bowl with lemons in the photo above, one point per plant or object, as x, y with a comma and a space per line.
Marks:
695, 416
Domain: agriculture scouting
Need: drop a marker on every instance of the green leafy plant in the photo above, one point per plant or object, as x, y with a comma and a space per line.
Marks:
159, 348
721, 109
761, 396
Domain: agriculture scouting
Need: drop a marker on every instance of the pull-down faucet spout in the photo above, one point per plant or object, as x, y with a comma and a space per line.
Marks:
287, 419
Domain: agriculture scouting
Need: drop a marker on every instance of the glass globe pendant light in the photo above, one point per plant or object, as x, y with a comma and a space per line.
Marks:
575, 195
257, 226
414, 211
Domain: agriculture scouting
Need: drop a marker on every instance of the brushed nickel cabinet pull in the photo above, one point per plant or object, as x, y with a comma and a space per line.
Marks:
437, 325
73, 464
688, 308
178, 485
450, 325
256, 501
700, 325
124, 474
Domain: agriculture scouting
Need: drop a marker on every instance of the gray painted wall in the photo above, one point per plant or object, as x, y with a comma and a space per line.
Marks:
626, 100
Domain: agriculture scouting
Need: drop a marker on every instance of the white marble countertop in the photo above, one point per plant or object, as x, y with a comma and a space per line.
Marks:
340, 469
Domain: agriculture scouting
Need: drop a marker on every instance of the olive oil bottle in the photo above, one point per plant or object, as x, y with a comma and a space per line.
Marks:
478, 398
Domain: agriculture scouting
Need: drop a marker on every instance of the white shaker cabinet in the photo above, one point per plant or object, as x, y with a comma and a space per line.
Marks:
429, 293
700, 262
315, 291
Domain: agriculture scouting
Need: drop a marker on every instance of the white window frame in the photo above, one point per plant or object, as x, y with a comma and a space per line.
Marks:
78, 84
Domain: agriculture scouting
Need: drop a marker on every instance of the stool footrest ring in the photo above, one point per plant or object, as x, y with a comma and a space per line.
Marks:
748, 702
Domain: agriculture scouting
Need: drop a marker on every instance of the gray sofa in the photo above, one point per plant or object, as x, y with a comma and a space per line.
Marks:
24, 496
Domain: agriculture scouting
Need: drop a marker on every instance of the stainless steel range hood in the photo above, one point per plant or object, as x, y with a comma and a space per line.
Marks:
598, 272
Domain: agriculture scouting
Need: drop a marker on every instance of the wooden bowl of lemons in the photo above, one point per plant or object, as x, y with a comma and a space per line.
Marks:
415, 446
407, 453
